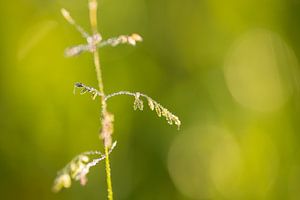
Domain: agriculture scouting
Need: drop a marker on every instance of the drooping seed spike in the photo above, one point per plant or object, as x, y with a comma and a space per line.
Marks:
78, 168
153, 105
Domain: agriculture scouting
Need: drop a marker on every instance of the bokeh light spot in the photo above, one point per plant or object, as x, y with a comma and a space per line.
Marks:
227, 167
260, 70
189, 159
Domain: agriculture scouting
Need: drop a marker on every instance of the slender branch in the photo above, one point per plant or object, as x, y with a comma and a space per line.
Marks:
90, 47
120, 93
71, 21
121, 39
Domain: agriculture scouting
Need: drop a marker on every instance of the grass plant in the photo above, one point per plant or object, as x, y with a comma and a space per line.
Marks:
78, 168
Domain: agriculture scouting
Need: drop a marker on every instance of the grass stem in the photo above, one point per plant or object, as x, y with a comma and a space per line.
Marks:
93, 21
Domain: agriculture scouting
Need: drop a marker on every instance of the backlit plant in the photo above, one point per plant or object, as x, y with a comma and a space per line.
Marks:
79, 166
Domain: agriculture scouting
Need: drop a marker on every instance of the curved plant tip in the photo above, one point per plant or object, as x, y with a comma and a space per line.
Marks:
138, 104
162, 111
78, 169
84, 89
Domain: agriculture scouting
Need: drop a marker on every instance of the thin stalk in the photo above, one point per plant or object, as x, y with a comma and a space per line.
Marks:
98, 72
108, 174
93, 21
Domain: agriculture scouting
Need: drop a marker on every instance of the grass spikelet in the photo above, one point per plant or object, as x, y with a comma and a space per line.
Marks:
78, 168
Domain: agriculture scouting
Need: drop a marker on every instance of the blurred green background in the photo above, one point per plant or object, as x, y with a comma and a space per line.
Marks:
228, 69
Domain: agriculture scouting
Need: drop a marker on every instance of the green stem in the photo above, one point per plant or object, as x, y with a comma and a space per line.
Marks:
108, 175
93, 21
99, 73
